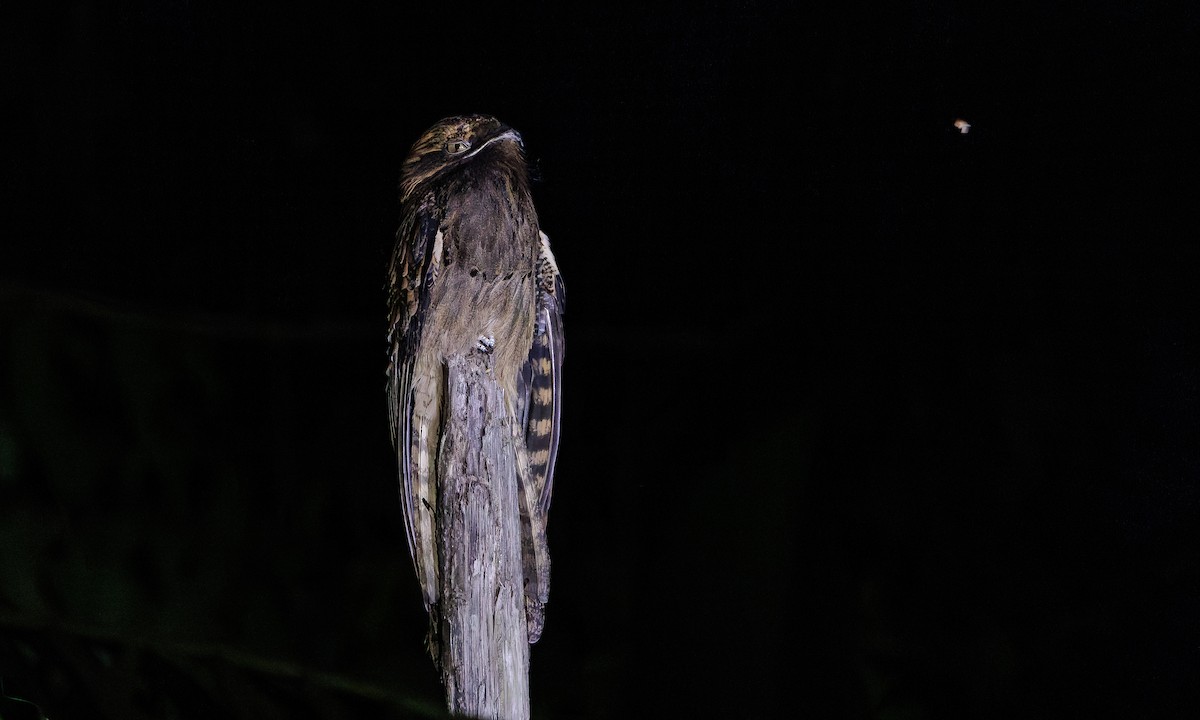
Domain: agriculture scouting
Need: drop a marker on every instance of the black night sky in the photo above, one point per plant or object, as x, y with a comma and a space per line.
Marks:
864, 417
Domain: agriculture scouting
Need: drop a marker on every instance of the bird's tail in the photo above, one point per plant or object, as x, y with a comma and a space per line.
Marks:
535, 553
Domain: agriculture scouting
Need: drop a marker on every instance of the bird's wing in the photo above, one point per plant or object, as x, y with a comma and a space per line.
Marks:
411, 274
544, 406
541, 410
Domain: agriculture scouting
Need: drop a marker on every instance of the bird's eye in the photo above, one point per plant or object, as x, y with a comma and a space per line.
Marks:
454, 147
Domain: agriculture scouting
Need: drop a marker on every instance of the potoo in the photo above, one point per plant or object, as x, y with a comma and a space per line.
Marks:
472, 272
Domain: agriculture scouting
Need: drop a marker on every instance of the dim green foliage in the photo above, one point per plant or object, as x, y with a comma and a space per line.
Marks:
157, 560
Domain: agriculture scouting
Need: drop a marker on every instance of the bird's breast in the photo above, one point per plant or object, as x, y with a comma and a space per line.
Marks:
490, 225
467, 308
485, 285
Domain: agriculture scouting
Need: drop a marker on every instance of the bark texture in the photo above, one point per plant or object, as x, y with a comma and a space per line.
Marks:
484, 648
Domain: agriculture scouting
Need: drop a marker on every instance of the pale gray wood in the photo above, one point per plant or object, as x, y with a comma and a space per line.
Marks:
484, 648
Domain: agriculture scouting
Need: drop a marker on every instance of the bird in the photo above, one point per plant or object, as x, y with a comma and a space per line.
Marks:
471, 271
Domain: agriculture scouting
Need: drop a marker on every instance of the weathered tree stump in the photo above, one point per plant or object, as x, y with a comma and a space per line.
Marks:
484, 649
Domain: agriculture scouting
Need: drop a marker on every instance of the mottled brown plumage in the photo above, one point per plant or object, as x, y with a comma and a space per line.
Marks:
472, 272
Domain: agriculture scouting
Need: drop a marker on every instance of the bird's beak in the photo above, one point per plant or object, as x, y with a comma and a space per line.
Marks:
504, 133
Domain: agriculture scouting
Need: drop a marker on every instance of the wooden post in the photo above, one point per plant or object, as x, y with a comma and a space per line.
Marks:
484, 649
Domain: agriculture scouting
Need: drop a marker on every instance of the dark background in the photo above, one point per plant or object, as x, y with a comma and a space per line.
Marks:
864, 417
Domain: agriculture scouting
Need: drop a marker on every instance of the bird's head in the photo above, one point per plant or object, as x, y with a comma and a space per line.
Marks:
452, 143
